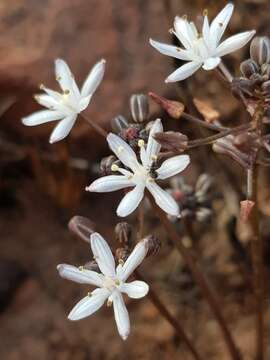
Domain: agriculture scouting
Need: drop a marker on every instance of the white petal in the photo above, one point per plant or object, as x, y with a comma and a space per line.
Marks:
89, 304
173, 166
82, 276
41, 117
184, 71
130, 201
48, 101
170, 50
135, 289
109, 183
163, 199
103, 255
121, 315
234, 43
211, 63
63, 128
93, 79
182, 32
133, 261
153, 147
220, 23
66, 80
123, 151
84, 102
205, 29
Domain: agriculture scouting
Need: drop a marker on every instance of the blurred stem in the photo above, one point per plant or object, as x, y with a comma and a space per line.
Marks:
202, 123
140, 221
154, 298
95, 126
208, 292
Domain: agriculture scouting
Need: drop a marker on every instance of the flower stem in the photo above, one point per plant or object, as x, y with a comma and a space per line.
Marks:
202, 123
200, 279
225, 71
154, 298
95, 126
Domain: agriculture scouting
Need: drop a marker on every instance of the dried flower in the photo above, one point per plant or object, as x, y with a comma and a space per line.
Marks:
142, 175
172, 140
173, 108
111, 283
206, 110
139, 107
118, 123
153, 245
260, 50
201, 50
123, 233
246, 207
67, 105
107, 163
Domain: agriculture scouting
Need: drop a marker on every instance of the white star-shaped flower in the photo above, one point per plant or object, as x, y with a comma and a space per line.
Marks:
65, 106
202, 50
111, 282
142, 175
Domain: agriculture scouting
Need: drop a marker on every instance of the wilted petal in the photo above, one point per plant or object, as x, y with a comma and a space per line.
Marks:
184, 71
211, 63
41, 117
153, 147
163, 199
234, 43
63, 128
80, 275
103, 255
170, 50
89, 304
93, 79
121, 315
130, 201
220, 23
110, 183
135, 289
173, 166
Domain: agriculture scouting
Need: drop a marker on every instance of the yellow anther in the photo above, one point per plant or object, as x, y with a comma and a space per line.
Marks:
36, 97
58, 78
121, 261
205, 12
170, 31
120, 149
66, 92
42, 87
141, 143
154, 157
109, 303
114, 167
89, 294
117, 282
184, 17
150, 180
81, 268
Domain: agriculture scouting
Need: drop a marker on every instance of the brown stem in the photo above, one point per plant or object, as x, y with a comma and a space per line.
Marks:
200, 279
154, 298
202, 123
96, 127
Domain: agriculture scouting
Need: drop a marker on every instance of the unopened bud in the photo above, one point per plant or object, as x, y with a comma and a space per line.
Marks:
174, 108
153, 244
82, 227
139, 107
172, 141
118, 123
122, 254
123, 233
107, 163
246, 207
91, 265
260, 50
248, 68
203, 185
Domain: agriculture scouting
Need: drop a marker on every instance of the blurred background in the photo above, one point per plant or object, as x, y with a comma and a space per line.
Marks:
42, 185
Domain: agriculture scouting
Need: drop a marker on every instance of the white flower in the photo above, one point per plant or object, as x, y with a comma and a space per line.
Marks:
67, 105
140, 176
202, 49
111, 282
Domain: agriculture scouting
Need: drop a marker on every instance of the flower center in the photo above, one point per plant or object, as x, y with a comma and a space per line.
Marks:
110, 283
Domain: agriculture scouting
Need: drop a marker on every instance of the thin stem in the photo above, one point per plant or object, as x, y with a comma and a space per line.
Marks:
226, 72
200, 279
202, 123
95, 126
140, 220
154, 298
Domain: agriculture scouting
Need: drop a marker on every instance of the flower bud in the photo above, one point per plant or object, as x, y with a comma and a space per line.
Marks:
139, 107
203, 185
123, 233
172, 141
82, 227
173, 108
260, 50
106, 164
91, 265
246, 207
153, 244
122, 254
118, 123
248, 68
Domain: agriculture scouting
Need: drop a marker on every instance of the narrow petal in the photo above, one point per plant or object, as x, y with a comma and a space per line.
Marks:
123, 151
109, 183
48, 101
133, 261
80, 275
234, 43
211, 63
173, 166
205, 29
163, 199
171, 50
103, 255
130, 201
89, 304
219, 24
63, 128
153, 147
184, 71
41, 117
182, 32
93, 79
84, 102
135, 289
63, 74
121, 315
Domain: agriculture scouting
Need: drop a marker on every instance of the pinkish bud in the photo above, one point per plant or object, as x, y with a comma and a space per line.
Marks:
173, 108
246, 207
172, 141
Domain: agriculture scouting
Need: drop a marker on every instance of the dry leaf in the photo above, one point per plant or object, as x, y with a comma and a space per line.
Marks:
206, 110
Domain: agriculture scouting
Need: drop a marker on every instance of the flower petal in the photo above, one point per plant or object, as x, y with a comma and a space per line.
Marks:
66, 80
173, 166
131, 201
183, 32
153, 147
184, 71
81, 276
48, 101
103, 255
211, 63
170, 50
133, 261
121, 315
63, 128
219, 24
234, 43
135, 289
109, 183
93, 79
123, 151
89, 304
84, 102
42, 117
163, 199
